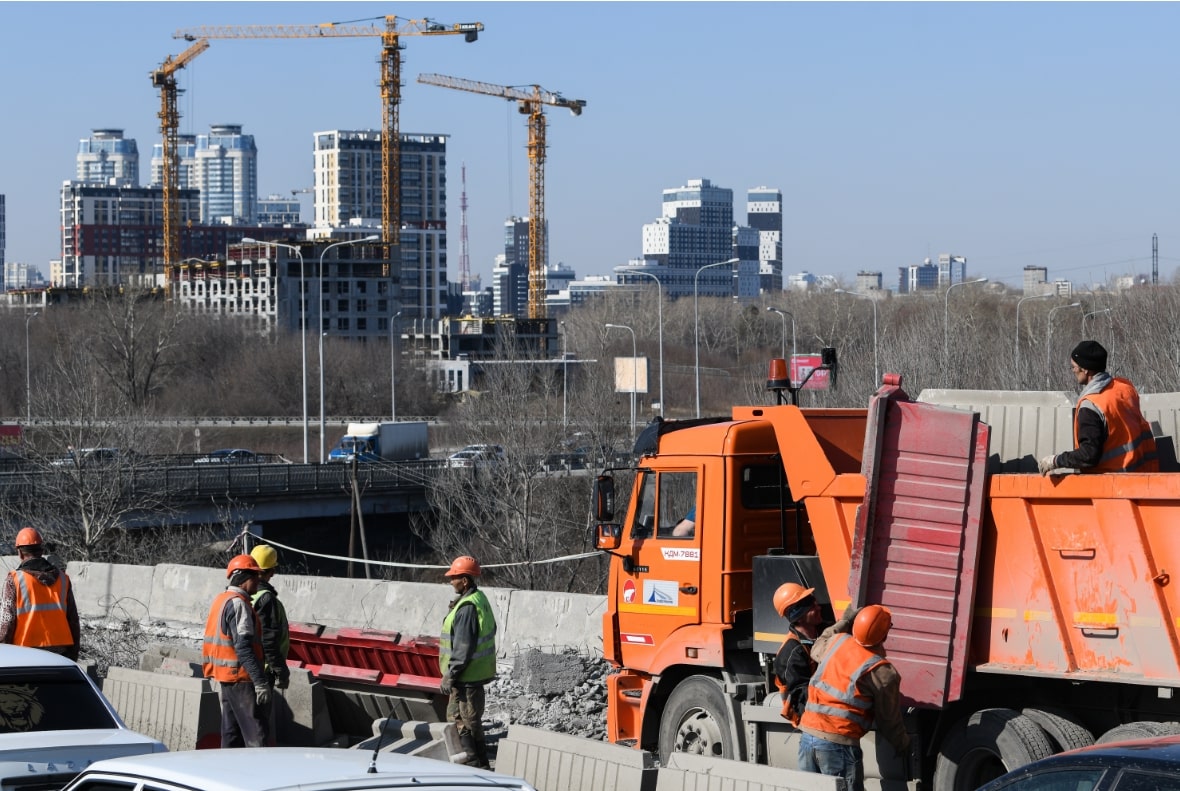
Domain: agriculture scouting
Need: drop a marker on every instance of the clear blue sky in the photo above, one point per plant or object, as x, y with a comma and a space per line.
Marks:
1010, 133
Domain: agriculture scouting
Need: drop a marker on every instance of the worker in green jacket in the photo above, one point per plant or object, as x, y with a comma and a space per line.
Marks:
276, 632
467, 657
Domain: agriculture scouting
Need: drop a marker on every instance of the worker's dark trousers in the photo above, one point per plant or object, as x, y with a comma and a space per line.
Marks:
243, 721
465, 709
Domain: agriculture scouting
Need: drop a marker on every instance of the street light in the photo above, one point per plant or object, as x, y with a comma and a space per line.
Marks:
1049, 334
1109, 320
302, 329
660, 321
1016, 338
564, 381
876, 356
29, 371
696, 322
393, 367
634, 368
783, 315
320, 313
946, 320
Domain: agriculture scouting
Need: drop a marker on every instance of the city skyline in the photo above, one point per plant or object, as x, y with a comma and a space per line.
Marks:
1012, 134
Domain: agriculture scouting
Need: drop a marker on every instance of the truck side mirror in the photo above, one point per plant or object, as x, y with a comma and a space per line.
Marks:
604, 498
608, 536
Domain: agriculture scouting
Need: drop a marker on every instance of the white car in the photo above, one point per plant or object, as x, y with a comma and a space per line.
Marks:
478, 456
287, 769
54, 722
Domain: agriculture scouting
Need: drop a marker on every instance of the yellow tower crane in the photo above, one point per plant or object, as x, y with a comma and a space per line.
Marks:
390, 36
531, 103
164, 78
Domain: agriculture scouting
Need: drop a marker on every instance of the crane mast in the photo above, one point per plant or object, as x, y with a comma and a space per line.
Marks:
531, 103
164, 78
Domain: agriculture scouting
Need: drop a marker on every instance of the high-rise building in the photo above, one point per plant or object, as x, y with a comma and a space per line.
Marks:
2, 233
867, 282
1036, 280
107, 155
226, 172
279, 211
694, 230
347, 191
764, 212
746, 283
951, 269
186, 154
918, 277
510, 277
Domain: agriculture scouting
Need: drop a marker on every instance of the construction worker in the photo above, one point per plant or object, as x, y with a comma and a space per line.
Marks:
276, 634
854, 687
793, 664
232, 656
1109, 431
37, 608
467, 657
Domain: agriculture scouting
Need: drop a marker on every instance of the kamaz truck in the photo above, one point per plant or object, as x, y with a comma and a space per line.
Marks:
1031, 614
391, 441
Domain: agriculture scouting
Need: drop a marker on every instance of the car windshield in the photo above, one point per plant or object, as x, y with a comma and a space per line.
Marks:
49, 699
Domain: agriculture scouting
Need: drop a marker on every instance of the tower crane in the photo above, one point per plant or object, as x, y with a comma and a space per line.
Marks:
532, 103
164, 78
390, 35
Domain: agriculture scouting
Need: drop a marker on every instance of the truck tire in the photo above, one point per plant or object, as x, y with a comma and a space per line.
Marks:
1061, 727
696, 720
985, 745
1139, 730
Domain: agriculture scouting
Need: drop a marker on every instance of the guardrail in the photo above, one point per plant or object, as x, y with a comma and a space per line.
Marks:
224, 420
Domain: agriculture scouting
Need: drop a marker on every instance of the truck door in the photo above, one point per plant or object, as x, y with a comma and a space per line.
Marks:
662, 592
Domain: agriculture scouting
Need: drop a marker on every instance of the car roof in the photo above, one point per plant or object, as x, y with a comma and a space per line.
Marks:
1161, 752
19, 656
275, 768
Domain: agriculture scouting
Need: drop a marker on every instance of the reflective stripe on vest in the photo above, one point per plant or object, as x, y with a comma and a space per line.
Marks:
219, 660
834, 703
1129, 447
482, 666
41, 618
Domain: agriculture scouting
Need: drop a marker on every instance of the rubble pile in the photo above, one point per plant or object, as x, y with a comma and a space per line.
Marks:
526, 696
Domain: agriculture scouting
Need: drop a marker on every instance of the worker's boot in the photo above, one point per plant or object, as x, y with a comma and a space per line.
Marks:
481, 756
467, 741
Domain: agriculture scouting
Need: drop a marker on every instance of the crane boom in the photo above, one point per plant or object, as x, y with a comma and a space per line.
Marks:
531, 103
390, 34
164, 78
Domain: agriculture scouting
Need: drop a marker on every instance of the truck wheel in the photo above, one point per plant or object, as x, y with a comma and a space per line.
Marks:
696, 720
1061, 727
985, 745
1139, 730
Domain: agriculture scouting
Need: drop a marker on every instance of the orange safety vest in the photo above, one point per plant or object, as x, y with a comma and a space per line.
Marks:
789, 713
219, 660
41, 611
834, 703
1129, 445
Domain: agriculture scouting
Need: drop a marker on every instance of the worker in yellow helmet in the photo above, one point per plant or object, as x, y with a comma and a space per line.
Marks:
276, 633
37, 607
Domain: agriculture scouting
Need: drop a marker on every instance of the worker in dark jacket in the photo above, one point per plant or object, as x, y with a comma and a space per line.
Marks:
37, 607
793, 664
467, 657
276, 632
1110, 434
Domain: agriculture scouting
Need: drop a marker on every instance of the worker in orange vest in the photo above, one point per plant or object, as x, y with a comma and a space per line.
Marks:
231, 655
1109, 431
854, 687
793, 665
37, 607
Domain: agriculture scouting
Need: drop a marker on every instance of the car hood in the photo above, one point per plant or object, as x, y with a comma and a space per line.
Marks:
73, 751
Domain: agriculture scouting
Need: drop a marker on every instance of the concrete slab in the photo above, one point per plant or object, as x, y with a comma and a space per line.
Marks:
686, 772
540, 619
542, 673
556, 762
152, 659
183, 713
107, 590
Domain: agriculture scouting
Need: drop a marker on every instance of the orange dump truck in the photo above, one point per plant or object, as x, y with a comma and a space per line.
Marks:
1031, 614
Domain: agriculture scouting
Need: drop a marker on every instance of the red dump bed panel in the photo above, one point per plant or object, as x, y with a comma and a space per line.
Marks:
367, 656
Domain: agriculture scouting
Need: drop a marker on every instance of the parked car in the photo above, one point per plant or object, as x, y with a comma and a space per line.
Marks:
287, 769
477, 456
1139, 765
228, 456
54, 721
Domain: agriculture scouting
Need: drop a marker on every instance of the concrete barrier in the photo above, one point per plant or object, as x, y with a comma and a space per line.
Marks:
556, 762
109, 590
439, 740
541, 619
686, 772
183, 713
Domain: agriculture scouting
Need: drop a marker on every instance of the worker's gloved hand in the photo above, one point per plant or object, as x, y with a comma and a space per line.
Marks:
446, 684
262, 695
283, 679
1046, 464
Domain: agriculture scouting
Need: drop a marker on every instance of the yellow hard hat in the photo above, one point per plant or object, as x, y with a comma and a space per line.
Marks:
265, 556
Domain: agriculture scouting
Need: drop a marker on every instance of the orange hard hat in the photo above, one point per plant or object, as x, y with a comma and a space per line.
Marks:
789, 593
28, 537
241, 563
463, 565
871, 625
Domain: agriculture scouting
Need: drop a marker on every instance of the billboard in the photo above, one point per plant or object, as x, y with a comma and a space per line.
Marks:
631, 374
804, 364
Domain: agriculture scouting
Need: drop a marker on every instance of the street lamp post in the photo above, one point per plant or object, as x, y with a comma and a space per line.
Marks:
393, 335
302, 328
564, 383
1109, 320
29, 371
634, 368
696, 322
660, 322
783, 315
1049, 334
946, 321
876, 347
320, 313
1016, 338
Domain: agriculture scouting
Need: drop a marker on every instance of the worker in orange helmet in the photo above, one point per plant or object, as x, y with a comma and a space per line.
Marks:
231, 655
854, 687
37, 607
793, 664
467, 657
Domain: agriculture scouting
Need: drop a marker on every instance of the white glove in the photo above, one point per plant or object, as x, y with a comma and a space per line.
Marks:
262, 695
1045, 465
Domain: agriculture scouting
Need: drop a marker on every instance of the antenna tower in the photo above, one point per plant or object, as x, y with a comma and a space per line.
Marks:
1155, 259
464, 260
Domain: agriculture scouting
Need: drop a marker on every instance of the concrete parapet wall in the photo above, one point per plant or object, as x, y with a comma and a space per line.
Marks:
112, 590
686, 772
556, 762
